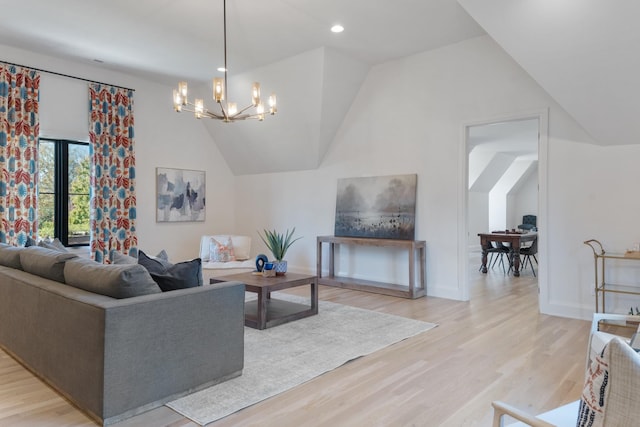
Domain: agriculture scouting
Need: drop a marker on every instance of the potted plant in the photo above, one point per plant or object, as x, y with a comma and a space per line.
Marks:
278, 244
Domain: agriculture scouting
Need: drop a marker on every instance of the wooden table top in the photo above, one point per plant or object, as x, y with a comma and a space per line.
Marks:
258, 280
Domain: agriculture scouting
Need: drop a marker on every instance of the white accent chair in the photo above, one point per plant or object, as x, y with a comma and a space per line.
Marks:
622, 399
242, 248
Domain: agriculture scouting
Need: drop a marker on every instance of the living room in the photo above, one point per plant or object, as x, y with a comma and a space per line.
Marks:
586, 184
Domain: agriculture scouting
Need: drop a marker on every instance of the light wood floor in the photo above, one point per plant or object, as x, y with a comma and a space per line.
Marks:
496, 346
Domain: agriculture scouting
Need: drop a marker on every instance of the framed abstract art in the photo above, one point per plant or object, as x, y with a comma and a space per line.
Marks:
180, 195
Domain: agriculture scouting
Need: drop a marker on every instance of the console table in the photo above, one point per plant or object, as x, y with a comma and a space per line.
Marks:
417, 285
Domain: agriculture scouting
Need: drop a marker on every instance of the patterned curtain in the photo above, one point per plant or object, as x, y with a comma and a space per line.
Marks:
19, 129
113, 198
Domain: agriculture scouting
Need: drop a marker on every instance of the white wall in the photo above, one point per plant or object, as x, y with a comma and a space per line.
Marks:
162, 137
591, 190
436, 92
478, 208
594, 196
523, 201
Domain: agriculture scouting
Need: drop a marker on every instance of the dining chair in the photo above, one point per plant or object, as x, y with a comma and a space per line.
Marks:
529, 222
497, 251
528, 252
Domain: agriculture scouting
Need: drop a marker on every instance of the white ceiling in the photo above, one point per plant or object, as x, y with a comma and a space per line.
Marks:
517, 138
582, 52
171, 39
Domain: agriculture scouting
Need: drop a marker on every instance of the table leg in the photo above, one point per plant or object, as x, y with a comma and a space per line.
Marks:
516, 260
314, 295
483, 243
261, 315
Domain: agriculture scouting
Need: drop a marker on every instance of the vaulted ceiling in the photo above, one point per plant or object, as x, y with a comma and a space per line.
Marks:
582, 52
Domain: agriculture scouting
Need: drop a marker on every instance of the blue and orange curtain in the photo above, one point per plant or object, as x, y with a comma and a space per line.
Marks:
113, 197
19, 129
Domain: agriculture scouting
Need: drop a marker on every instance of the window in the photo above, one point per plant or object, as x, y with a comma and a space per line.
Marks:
63, 191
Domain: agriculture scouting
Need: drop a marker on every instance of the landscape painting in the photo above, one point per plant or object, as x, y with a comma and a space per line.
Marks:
180, 195
383, 207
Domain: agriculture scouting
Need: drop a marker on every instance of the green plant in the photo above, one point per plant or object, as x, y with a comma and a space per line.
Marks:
278, 243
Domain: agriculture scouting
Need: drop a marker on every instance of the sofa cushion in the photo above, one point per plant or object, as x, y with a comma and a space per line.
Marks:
43, 262
113, 280
10, 256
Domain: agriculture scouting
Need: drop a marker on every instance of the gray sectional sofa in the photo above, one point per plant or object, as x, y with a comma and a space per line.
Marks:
116, 357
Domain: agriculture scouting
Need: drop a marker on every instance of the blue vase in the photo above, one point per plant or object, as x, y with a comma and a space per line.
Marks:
281, 267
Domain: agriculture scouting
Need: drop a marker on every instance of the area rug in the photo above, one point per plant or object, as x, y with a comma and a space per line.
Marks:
285, 356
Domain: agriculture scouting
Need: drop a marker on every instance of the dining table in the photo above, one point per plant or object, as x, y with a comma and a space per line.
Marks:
513, 239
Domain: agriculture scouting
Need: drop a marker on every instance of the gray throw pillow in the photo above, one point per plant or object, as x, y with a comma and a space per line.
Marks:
153, 265
55, 244
170, 276
182, 275
113, 280
163, 255
119, 258
47, 263
10, 256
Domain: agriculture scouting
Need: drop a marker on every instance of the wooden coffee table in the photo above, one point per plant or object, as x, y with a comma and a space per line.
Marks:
266, 312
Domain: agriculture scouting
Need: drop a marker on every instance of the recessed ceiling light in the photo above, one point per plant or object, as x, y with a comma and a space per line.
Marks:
221, 69
337, 28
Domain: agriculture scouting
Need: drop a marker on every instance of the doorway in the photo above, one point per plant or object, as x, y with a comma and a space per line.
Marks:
504, 177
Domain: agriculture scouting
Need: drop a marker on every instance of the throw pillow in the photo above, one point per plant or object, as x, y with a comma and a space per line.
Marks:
120, 259
163, 255
30, 242
163, 258
610, 395
170, 276
182, 275
55, 244
151, 264
221, 251
594, 393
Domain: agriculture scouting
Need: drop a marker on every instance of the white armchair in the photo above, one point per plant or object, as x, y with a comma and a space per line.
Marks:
241, 263
611, 394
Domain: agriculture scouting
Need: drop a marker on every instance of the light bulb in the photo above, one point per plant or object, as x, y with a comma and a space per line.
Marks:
182, 89
218, 89
273, 108
233, 108
199, 108
255, 94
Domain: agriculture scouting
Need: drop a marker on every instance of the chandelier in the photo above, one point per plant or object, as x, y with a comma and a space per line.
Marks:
228, 110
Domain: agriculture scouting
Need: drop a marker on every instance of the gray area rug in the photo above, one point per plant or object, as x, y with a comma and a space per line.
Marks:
285, 356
